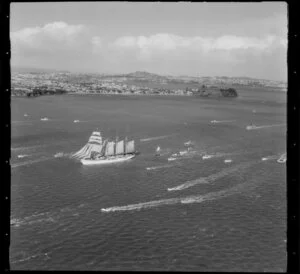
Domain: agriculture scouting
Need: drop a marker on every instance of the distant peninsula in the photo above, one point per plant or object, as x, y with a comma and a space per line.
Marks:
45, 82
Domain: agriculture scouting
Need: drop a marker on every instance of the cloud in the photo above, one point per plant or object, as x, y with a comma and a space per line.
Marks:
51, 37
59, 44
167, 42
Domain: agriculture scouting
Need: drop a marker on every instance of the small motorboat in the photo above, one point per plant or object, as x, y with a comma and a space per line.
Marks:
76, 121
22, 156
157, 153
25, 115
206, 157
44, 119
227, 161
251, 127
172, 159
188, 143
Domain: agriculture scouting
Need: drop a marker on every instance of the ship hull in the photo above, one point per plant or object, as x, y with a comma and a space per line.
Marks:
107, 160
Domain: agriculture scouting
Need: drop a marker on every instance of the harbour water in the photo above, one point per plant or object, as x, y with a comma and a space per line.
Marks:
226, 212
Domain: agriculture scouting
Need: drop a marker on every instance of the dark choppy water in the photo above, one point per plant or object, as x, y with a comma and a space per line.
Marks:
215, 216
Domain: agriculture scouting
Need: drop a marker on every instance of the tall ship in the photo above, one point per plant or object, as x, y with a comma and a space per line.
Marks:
98, 151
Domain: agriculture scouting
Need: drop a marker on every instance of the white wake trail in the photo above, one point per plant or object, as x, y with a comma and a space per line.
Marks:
221, 121
159, 167
30, 162
155, 138
173, 201
265, 126
211, 178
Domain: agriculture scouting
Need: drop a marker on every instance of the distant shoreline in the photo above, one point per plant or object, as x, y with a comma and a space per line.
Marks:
126, 94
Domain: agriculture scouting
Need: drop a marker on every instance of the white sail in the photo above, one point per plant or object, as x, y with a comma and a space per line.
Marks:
120, 148
96, 133
130, 147
87, 154
97, 148
80, 151
110, 149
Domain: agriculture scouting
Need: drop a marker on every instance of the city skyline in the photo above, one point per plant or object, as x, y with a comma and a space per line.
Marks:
196, 39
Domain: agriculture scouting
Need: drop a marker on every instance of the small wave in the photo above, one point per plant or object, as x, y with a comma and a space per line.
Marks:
211, 178
30, 162
155, 138
172, 201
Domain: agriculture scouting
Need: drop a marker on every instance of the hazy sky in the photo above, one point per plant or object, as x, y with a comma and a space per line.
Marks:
206, 39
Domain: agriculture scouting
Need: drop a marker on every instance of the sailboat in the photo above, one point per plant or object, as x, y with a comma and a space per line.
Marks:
98, 152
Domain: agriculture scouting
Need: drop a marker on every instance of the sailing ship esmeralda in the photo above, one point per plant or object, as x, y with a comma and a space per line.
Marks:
98, 152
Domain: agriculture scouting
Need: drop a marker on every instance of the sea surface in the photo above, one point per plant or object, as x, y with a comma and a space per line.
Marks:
192, 214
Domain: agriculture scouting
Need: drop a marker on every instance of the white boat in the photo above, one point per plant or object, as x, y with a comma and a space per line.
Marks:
282, 159
76, 121
25, 115
227, 161
172, 159
206, 157
188, 143
183, 152
157, 151
251, 127
22, 156
97, 152
214, 121
264, 158
44, 119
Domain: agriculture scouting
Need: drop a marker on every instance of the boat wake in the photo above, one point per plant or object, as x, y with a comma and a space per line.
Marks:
213, 177
26, 163
62, 154
222, 121
218, 155
155, 138
30, 257
183, 200
26, 148
281, 158
47, 216
23, 156
158, 167
265, 126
